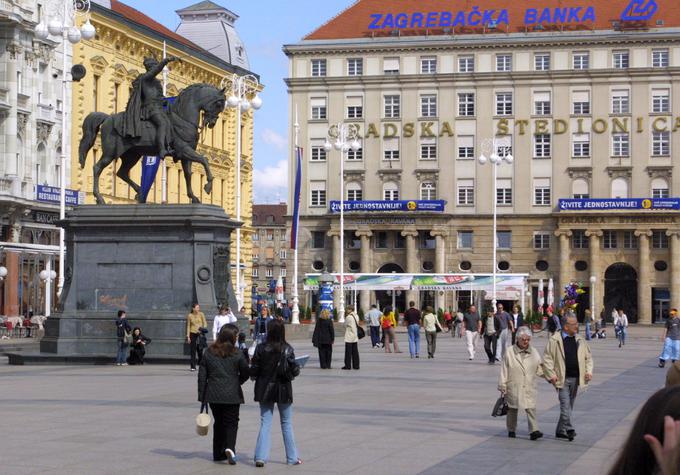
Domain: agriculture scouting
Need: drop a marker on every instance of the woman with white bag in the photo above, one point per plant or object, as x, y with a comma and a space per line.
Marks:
222, 371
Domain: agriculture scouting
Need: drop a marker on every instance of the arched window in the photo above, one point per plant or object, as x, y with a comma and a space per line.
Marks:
660, 188
41, 165
390, 191
580, 189
428, 191
354, 191
619, 188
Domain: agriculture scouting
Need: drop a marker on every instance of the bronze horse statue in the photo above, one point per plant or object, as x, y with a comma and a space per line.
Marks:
185, 117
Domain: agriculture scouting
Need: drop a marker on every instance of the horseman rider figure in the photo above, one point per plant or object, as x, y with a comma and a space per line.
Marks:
146, 103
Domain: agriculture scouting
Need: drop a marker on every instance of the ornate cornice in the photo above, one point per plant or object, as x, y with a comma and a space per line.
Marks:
580, 172
659, 171
564, 232
99, 64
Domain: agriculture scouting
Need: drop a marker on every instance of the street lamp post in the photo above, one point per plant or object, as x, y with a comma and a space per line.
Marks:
490, 147
63, 24
345, 136
593, 280
48, 275
243, 95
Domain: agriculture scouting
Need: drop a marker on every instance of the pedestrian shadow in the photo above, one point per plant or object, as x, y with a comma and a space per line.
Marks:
182, 455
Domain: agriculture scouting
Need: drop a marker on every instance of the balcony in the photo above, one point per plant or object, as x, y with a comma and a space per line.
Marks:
4, 100
46, 113
23, 102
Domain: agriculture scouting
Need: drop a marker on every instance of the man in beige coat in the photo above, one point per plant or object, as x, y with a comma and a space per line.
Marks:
518, 381
351, 340
567, 364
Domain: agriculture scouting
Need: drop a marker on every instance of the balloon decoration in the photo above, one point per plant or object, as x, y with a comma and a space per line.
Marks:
571, 293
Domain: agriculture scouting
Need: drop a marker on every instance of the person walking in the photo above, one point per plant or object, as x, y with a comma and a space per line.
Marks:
517, 318
373, 319
490, 329
262, 324
195, 321
224, 316
388, 323
448, 320
588, 321
138, 348
432, 326
273, 368
323, 338
621, 326
671, 347
351, 340
518, 382
553, 324
472, 328
459, 324
412, 319
506, 329
123, 337
567, 364
287, 312
221, 373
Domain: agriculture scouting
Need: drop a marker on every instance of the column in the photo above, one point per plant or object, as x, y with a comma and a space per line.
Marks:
411, 261
644, 287
440, 236
594, 236
365, 262
565, 262
335, 262
674, 247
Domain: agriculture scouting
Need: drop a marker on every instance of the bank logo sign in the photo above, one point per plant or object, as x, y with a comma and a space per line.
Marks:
636, 10
619, 203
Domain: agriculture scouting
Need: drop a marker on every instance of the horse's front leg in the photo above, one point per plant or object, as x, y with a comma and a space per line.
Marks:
128, 161
186, 169
194, 156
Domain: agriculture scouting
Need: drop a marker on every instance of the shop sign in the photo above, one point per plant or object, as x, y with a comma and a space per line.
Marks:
619, 203
432, 206
51, 194
45, 218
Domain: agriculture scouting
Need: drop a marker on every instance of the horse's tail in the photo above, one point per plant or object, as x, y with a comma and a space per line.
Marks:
91, 126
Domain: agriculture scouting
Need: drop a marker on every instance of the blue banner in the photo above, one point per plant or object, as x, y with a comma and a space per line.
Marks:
51, 194
608, 204
432, 206
296, 198
149, 170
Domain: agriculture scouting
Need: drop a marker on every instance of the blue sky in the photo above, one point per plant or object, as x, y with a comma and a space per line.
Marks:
264, 26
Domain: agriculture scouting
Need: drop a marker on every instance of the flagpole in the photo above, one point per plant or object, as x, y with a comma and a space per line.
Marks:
296, 309
164, 172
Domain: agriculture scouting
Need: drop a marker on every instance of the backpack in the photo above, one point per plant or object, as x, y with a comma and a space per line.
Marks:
386, 323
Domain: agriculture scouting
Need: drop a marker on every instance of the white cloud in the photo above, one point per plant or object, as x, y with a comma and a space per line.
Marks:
272, 137
270, 184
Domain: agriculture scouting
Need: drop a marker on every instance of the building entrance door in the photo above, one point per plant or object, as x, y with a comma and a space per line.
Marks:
388, 297
661, 304
620, 291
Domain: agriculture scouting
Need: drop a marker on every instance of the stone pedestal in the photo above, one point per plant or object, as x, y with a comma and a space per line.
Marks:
153, 261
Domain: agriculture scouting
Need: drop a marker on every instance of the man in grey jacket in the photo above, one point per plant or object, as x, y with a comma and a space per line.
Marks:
373, 319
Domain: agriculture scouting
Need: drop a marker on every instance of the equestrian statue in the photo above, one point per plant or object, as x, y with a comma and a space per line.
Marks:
147, 128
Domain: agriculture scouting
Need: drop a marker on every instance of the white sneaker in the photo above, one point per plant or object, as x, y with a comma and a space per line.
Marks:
192, 369
124, 364
118, 364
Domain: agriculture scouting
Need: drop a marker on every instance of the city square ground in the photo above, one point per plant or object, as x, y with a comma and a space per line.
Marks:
394, 416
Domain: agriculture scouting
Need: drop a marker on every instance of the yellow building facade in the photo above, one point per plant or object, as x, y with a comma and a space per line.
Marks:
113, 60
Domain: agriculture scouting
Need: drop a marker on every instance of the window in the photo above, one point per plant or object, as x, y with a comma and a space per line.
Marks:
466, 104
581, 145
390, 191
504, 103
318, 108
392, 106
318, 190
256, 237
620, 59
381, 240
620, 102
466, 192
504, 240
541, 240
391, 65
542, 61
503, 62
355, 155
581, 102
426, 240
282, 272
630, 240
318, 67
428, 148
660, 58
318, 153
542, 103
352, 241
504, 146
661, 100
354, 192
620, 145
269, 272
542, 146
504, 191
466, 146
391, 149
270, 235
399, 240
661, 144
95, 92
660, 188
619, 188
580, 189
581, 60
355, 107
255, 272
465, 239
659, 239
609, 240
579, 240
318, 239
466, 64
541, 191
428, 191
282, 254
355, 67
428, 65
428, 105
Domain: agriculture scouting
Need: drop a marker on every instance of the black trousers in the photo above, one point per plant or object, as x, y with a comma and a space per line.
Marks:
352, 355
325, 356
225, 428
193, 346
490, 343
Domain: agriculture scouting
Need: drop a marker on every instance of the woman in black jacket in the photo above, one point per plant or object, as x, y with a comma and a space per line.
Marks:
138, 348
323, 339
222, 371
273, 367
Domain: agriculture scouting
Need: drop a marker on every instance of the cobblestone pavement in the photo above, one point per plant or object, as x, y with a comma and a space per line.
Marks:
394, 416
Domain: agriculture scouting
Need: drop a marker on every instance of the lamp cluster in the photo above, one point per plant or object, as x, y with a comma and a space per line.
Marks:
58, 26
495, 159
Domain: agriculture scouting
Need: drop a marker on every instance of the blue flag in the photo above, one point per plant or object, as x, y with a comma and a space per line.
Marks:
296, 198
149, 170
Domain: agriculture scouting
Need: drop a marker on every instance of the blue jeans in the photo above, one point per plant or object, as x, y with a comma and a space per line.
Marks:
588, 331
122, 352
375, 335
671, 350
414, 339
264, 441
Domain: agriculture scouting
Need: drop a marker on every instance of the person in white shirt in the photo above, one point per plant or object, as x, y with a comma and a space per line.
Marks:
373, 319
621, 326
225, 316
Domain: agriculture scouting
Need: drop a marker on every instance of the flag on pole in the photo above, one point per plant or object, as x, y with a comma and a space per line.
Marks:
296, 198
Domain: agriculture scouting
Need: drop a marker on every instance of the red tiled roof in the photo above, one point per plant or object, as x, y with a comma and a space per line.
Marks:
356, 20
261, 212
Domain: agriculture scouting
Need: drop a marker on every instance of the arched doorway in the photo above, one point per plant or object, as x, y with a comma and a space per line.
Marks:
620, 290
385, 297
